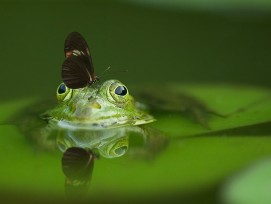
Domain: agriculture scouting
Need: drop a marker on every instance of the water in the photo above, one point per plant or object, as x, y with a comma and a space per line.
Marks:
156, 46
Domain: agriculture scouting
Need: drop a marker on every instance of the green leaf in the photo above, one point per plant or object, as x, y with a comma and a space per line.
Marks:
242, 105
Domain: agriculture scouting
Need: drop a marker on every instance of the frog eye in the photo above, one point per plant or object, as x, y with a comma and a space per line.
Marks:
61, 89
121, 150
121, 90
118, 92
63, 93
115, 148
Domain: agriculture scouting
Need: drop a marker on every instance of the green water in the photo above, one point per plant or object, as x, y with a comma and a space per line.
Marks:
157, 45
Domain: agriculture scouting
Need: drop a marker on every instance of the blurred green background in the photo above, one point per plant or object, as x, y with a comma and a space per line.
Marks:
157, 41
160, 41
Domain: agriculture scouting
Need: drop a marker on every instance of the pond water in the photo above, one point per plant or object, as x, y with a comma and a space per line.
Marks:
173, 159
202, 52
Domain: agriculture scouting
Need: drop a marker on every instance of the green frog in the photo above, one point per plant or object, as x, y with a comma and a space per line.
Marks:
100, 117
106, 105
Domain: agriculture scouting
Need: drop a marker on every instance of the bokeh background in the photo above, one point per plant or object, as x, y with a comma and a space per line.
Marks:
156, 41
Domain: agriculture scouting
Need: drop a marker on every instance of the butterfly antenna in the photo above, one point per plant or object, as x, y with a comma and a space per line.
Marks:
105, 71
109, 67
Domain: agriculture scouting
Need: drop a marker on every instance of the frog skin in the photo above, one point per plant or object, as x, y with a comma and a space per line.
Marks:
106, 105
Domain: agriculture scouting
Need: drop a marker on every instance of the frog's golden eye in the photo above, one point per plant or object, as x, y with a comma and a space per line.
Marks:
119, 92
63, 93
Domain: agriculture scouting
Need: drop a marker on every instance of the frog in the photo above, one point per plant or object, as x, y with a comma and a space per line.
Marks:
105, 105
99, 117
97, 120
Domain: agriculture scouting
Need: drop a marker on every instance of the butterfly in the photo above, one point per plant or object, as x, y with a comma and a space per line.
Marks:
77, 69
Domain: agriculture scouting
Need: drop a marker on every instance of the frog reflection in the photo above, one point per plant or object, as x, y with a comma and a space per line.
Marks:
114, 142
82, 147
107, 143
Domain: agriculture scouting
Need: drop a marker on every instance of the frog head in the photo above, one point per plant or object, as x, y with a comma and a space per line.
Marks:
104, 105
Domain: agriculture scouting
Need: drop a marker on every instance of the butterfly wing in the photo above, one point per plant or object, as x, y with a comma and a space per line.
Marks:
74, 72
75, 45
75, 41
77, 163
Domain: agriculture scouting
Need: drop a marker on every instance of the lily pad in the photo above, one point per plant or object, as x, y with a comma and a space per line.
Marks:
241, 106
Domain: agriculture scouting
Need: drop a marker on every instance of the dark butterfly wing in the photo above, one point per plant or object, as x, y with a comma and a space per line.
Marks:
74, 72
75, 44
77, 163
75, 41
77, 166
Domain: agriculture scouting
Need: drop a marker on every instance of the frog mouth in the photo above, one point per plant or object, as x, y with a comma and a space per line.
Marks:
106, 122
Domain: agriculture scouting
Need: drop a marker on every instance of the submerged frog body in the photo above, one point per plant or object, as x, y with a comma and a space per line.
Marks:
106, 105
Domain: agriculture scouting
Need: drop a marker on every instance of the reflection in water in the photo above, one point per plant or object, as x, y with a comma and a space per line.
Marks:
82, 147
77, 166
108, 143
